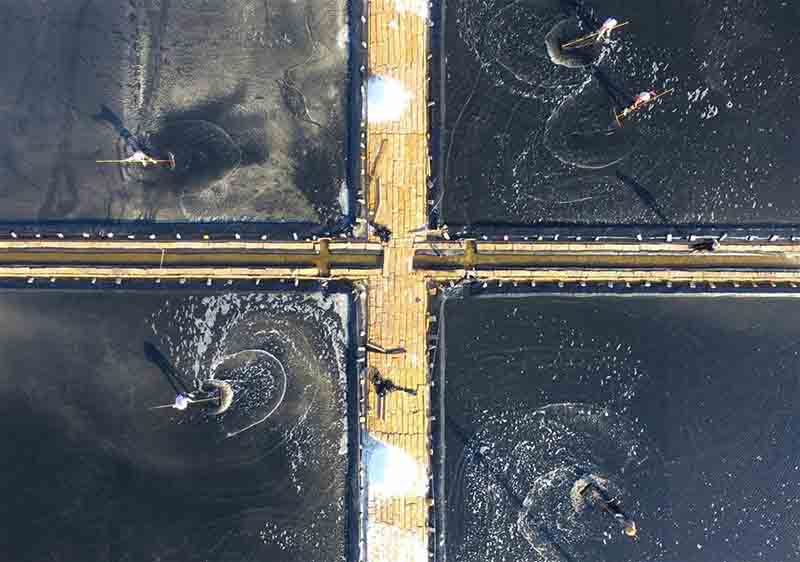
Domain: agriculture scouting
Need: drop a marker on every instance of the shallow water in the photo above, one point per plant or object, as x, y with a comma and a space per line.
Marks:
529, 141
685, 405
249, 96
93, 473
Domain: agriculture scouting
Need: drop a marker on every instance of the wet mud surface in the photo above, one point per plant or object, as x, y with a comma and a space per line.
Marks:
93, 472
683, 408
530, 133
250, 97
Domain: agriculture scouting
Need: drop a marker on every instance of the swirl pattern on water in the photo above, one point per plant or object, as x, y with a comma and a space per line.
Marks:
530, 473
563, 32
170, 479
518, 44
510, 41
528, 179
259, 383
710, 152
280, 367
582, 130
284, 357
582, 442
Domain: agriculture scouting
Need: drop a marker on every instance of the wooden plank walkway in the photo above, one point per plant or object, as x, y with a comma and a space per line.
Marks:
398, 168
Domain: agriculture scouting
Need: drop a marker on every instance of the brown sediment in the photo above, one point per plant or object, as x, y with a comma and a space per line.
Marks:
225, 398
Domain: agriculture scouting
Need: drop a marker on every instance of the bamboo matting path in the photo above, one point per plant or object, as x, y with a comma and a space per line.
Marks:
397, 172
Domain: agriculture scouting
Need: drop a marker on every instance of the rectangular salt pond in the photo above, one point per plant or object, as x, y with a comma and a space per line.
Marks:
93, 473
251, 98
527, 142
684, 406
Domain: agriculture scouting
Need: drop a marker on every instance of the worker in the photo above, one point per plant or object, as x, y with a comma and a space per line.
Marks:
382, 232
181, 402
140, 157
612, 506
383, 387
643, 98
638, 102
604, 33
704, 245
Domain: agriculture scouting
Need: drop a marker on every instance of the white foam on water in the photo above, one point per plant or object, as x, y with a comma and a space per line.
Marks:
386, 543
341, 304
391, 472
204, 323
387, 99
419, 7
344, 198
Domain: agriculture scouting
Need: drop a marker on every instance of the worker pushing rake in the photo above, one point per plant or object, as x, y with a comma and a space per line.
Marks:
139, 156
639, 102
143, 160
601, 35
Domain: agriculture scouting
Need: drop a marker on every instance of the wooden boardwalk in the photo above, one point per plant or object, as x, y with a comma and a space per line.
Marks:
397, 172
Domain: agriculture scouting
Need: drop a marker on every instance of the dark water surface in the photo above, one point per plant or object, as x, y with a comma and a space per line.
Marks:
91, 473
687, 406
250, 96
530, 136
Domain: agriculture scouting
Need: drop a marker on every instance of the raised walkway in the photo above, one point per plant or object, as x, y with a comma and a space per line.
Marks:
409, 259
396, 162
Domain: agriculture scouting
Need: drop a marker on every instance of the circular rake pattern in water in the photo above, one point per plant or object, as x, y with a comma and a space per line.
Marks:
205, 155
533, 466
258, 380
567, 170
583, 131
576, 57
559, 517
514, 43
531, 181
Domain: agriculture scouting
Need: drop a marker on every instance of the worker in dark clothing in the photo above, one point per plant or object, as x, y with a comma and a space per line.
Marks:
383, 233
384, 386
704, 245
613, 506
